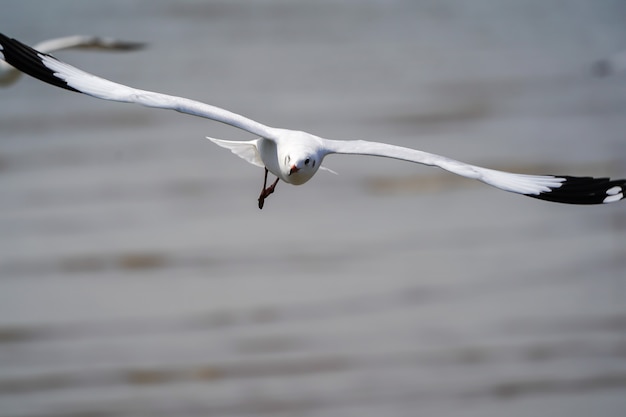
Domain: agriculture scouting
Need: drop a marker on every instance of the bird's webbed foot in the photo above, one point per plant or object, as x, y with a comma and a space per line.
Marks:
266, 191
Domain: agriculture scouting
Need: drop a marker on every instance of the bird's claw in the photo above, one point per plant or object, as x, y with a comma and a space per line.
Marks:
266, 191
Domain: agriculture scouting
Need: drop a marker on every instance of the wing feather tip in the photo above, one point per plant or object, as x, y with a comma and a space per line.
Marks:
584, 190
30, 61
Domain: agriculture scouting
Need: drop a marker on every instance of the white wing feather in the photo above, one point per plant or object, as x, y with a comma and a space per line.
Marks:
247, 150
99, 87
517, 183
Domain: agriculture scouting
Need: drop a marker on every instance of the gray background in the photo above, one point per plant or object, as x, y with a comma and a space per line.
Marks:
138, 277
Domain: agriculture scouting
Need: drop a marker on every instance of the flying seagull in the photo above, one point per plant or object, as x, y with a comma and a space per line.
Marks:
10, 74
295, 156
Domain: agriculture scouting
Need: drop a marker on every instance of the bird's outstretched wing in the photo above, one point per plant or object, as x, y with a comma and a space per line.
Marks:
560, 189
49, 69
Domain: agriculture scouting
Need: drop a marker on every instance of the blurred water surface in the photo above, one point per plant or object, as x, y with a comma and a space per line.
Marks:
138, 278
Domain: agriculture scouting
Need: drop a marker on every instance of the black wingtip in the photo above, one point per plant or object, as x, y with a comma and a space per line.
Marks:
28, 60
585, 190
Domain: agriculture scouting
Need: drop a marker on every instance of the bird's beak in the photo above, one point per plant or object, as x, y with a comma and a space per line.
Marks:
293, 169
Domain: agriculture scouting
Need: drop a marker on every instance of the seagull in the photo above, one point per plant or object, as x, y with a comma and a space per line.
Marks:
9, 74
294, 156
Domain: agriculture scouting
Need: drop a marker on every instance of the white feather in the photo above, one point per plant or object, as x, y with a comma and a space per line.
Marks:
247, 150
108, 90
517, 183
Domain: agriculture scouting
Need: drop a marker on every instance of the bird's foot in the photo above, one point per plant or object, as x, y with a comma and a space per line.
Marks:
266, 191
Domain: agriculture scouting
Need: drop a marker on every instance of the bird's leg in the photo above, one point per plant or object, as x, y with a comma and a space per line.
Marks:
266, 191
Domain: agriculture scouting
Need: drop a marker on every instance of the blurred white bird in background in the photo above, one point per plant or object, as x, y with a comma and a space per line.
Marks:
9, 74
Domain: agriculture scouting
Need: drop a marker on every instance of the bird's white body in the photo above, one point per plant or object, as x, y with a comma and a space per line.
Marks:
295, 156
286, 149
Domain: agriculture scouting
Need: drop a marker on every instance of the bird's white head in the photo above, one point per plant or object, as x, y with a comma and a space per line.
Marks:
299, 167
299, 158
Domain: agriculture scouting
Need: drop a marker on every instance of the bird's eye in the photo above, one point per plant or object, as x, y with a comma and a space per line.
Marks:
306, 161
